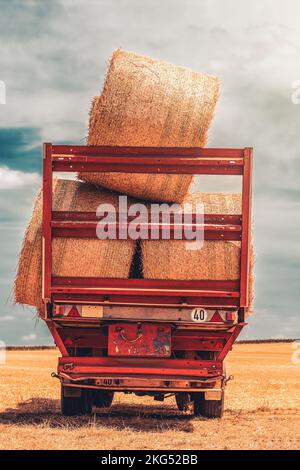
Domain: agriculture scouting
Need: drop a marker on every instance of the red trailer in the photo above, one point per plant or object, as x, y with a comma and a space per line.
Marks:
144, 336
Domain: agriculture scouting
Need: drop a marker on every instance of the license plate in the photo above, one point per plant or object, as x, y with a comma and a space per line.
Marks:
146, 340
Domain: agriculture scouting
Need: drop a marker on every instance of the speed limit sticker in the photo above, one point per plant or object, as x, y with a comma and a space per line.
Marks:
199, 315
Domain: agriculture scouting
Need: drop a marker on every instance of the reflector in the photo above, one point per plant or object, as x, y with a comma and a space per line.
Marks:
73, 312
216, 318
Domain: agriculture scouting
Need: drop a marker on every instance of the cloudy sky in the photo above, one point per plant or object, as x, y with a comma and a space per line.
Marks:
53, 56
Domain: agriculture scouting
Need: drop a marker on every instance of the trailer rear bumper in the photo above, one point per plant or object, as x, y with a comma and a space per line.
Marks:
81, 366
136, 374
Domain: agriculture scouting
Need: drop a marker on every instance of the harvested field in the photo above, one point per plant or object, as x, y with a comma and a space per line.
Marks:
262, 409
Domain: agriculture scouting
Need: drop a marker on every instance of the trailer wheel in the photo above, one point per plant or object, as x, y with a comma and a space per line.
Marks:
208, 408
103, 398
183, 400
76, 405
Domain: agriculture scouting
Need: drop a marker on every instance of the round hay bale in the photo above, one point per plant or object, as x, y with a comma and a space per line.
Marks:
150, 103
216, 260
70, 256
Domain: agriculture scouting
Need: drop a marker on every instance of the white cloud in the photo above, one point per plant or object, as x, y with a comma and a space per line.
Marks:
256, 46
13, 179
30, 337
5, 318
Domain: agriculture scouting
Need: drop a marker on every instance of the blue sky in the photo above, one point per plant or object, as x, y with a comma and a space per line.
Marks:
53, 56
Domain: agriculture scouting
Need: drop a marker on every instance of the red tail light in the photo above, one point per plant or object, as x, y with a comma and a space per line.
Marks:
59, 309
230, 316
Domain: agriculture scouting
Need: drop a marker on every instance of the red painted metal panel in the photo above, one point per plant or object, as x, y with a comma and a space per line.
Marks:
147, 160
145, 293
137, 362
55, 331
88, 230
246, 227
141, 165
165, 372
47, 216
189, 340
144, 300
228, 345
139, 339
84, 337
229, 285
60, 150
207, 335
143, 286
135, 291
220, 219
192, 343
139, 366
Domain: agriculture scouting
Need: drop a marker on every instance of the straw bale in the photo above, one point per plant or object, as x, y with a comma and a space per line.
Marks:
216, 260
70, 256
150, 103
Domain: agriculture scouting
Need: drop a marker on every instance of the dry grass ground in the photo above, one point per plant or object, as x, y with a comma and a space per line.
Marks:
262, 409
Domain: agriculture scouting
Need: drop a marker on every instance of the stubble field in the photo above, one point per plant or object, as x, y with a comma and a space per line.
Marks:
262, 409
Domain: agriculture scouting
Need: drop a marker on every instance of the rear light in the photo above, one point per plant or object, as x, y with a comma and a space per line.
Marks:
92, 311
84, 311
230, 316
67, 311
59, 310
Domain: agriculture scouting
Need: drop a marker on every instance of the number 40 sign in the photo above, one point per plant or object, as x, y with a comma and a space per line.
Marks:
199, 315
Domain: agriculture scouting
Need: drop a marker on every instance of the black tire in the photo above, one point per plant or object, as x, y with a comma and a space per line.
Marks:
76, 406
183, 400
208, 408
103, 398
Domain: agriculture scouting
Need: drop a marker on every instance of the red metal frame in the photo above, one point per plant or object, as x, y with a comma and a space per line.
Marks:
79, 366
83, 224
71, 334
92, 336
